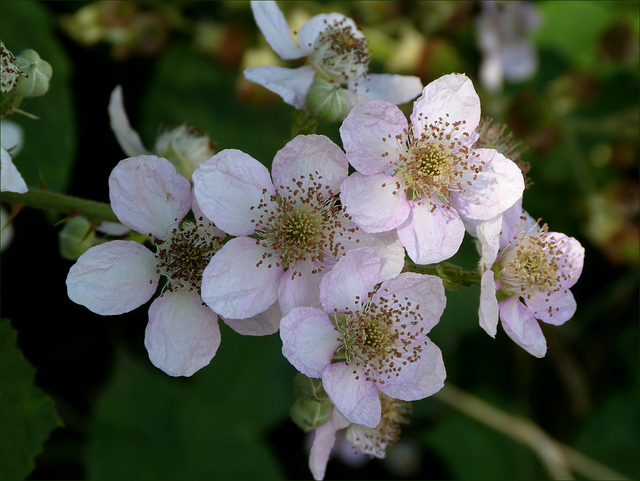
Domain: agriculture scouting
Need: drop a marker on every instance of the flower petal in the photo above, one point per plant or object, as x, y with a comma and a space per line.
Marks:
182, 335
292, 84
128, 139
488, 311
263, 324
520, 325
309, 340
431, 237
234, 285
148, 195
113, 278
493, 190
318, 23
275, 29
323, 441
488, 233
301, 290
377, 203
370, 136
354, 397
309, 159
451, 94
396, 89
10, 178
555, 309
573, 257
347, 285
228, 187
419, 379
386, 244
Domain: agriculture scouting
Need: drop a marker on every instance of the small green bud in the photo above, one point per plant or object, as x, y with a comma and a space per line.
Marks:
308, 414
326, 101
74, 240
37, 73
309, 388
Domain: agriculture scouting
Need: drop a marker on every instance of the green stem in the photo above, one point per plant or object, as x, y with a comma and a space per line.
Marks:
62, 203
453, 276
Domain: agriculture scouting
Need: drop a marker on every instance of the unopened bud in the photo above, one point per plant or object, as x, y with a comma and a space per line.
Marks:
75, 238
326, 101
37, 73
308, 414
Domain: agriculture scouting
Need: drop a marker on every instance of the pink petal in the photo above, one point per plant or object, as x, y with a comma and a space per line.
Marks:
386, 244
346, 286
419, 379
555, 309
431, 237
148, 195
418, 293
275, 29
451, 94
369, 135
309, 340
113, 278
573, 254
323, 441
10, 178
377, 203
310, 159
292, 84
263, 324
234, 286
310, 30
488, 233
395, 89
228, 187
520, 325
182, 335
128, 138
354, 397
488, 311
301, 290
492, 191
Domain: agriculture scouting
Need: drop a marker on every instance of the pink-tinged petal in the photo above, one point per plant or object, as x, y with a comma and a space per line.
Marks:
377, 203
301, 290
555, 309
492, 191
396, 89
310, 30
573, 258
431, 237
148, 195
488, 232
309, 159
238, 283
514, 221
369, 135
451, 94
113, 278
347, 285
10, 178
275, 29
182, 335
386, 244
354, 397
309, 340
419, 293
419, 379
488, 311
323, 441
228, 187
263, 324
520, 325
292, 84
128, 139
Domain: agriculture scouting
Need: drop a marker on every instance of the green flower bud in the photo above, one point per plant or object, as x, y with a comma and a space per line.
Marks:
74, 240
37, 73
326, 101
309, 388
308, 414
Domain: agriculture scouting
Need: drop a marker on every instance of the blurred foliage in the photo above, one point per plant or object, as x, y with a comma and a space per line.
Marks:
182, 62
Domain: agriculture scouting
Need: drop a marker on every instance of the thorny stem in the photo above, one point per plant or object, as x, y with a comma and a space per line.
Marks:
62, 203
558, 458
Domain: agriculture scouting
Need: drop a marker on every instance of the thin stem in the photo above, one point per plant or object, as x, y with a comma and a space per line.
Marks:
453, 276
558, 458
62, 203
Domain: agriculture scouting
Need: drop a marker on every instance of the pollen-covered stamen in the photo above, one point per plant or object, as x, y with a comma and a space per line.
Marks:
302, 223
184, 254
381, 337
436, 163
338, 54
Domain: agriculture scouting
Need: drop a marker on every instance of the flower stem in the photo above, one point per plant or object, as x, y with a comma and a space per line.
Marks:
62, 203
453, 276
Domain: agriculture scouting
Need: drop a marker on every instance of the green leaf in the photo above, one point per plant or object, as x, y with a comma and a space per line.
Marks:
50, 140
27, 414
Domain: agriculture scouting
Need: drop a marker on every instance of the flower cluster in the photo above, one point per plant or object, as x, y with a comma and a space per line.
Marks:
318, 254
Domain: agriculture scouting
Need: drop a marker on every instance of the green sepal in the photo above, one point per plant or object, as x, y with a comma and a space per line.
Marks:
309, 414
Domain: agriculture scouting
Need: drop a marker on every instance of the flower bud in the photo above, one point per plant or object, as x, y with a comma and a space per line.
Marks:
327, 102
308, 414
37, 74
74, 240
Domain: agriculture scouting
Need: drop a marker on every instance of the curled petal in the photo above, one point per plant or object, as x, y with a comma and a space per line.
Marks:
488, 311
182, 335
309, 340
292, 84
128, 138
323, 441
396, 89
148, 195
238, 283
113, 278
275, 29
488, 232
520, 325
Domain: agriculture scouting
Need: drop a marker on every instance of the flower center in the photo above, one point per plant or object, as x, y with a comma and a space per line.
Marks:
338, 54
184, 254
